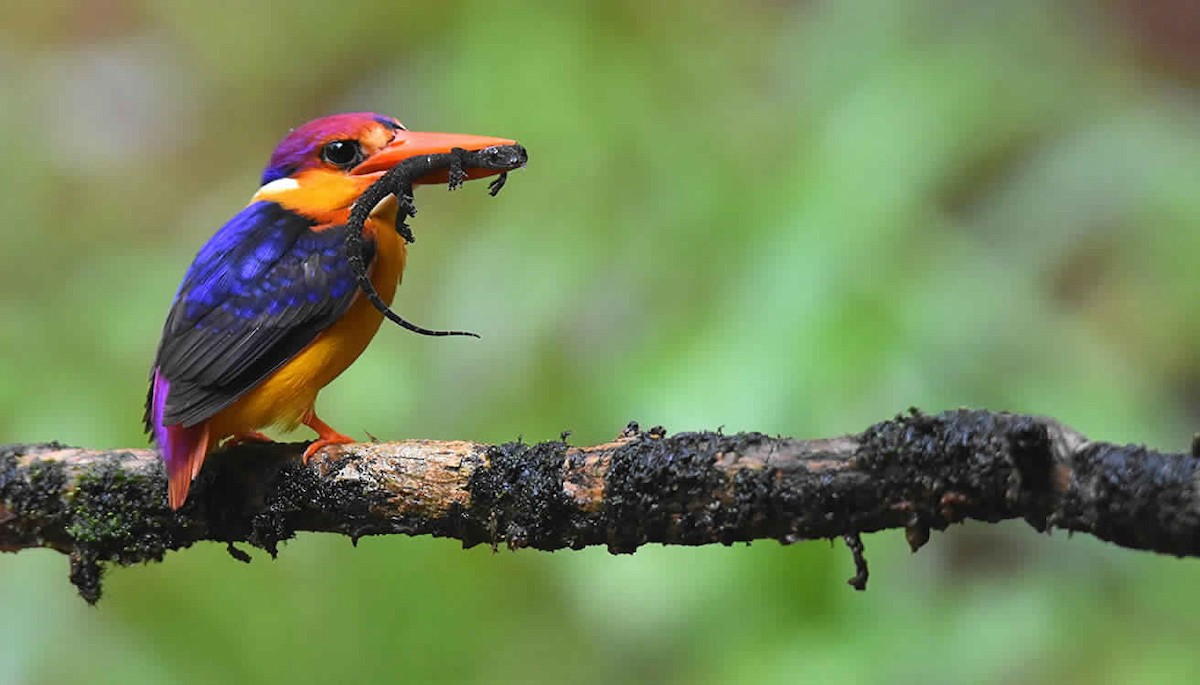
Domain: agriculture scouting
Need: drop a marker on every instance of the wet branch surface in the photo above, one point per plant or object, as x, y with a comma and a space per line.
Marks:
916, 472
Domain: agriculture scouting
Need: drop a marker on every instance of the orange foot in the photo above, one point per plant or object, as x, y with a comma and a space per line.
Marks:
326, 435
248, 436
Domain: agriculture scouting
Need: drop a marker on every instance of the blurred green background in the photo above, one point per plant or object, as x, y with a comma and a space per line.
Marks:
793, 217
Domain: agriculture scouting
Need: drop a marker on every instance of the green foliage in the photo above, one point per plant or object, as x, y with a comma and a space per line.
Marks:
796, 218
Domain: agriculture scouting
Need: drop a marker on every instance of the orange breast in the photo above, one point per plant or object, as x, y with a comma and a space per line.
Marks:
284, 396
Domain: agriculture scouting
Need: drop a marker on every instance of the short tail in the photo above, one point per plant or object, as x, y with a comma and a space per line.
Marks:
183, 448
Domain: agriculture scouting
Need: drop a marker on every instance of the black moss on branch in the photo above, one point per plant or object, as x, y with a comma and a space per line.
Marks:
669, 490
916, 472
1135, 497
518, 498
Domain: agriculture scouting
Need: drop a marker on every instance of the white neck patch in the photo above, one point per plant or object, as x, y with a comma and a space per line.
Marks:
279, 185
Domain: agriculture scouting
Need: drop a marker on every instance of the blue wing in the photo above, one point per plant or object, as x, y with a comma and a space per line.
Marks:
257, 293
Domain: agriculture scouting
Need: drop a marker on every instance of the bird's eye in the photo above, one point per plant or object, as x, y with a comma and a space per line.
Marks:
342, 153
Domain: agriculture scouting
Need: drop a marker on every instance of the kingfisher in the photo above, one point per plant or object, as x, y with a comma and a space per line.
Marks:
269, 312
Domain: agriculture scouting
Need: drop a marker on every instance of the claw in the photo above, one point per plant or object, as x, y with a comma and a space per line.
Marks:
321, 443
326, 435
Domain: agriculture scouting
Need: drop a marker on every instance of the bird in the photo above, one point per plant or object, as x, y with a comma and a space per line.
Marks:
269, 312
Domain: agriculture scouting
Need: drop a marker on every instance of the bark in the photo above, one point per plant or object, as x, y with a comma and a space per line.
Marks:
915, 472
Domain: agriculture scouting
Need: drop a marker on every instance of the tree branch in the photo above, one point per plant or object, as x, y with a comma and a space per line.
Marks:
915, 472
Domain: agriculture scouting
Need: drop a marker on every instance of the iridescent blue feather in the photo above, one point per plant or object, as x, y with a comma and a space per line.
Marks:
259, 290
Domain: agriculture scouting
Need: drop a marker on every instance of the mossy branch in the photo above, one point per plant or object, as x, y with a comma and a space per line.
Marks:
916, 472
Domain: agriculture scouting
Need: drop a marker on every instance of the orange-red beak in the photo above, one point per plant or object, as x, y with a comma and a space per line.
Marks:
408, 144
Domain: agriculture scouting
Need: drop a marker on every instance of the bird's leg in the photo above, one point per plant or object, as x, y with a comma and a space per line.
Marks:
247, 436
326, 435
